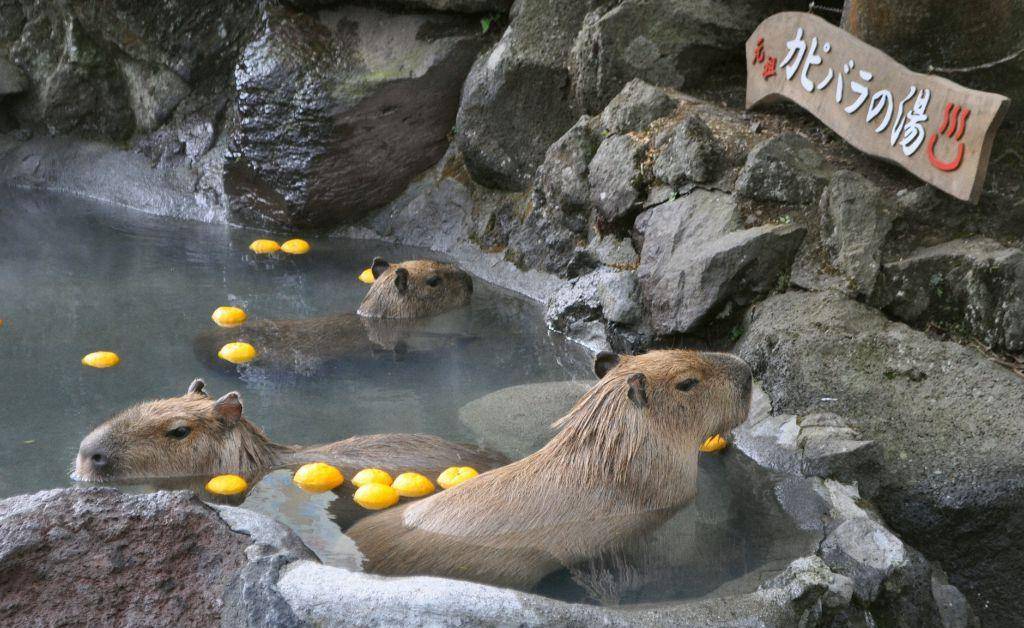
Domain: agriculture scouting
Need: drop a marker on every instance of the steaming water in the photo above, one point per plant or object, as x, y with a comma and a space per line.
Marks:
77, 276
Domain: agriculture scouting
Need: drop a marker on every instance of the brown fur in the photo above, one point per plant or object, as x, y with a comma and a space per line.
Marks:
137, 444
624, 460
388, 319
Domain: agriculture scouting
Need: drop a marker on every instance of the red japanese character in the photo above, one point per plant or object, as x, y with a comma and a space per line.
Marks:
954, 123
759, 51
769, 68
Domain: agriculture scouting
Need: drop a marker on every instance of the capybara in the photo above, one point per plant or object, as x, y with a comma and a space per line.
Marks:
388, 319
623, 461
194, 435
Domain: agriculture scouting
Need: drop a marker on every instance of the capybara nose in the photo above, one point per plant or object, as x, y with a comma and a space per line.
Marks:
738, 370
97, 458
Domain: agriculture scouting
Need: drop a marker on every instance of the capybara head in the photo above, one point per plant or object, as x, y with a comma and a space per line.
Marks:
181, 436
415, 289
683, 396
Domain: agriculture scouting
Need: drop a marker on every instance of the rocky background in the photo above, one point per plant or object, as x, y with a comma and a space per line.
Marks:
595, 154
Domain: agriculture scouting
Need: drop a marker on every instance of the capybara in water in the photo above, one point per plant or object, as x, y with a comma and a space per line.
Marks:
623, 461
194, 435
387, 320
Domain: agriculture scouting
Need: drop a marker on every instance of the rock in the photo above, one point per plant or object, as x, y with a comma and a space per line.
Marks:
516, 101
693, 267
12, 80
337, 113
673, 43
948, 421
453, 6
786, 168
619, 295
104, 557
328, 596
829, 448
689, 152
615, 252
855, 222
562, 179
153, 93
636, 107
517, 420
971, 287
953, 607
547, 240
614, 176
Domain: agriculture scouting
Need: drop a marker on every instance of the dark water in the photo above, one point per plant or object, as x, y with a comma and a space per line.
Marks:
77, 276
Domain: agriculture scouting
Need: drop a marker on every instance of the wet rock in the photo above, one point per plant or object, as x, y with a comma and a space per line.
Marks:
635, 107
855, 221
615, 252
972, 287
128, 559
578, 309
689, 152
517, 420
948, 421
614, 176
664, 42
619, 295
516, 101
12, 80
154, 92
453, 6
786, 168
693, 266
953, 607
337, 113
562, 178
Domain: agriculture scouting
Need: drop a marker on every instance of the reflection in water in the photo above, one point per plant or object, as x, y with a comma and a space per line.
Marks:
76, 277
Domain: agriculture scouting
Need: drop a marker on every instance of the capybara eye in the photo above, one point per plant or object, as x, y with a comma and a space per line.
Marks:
687, 384
180, 432
433, 281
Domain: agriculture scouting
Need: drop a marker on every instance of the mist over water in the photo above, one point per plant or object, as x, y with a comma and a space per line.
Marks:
77, 276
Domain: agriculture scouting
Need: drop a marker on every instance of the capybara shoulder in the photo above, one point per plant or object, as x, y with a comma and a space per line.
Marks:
414, 289
624, 460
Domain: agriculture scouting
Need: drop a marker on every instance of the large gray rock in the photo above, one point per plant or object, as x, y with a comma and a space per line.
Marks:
693, 266
688, 151
674, 43
971, 287
855, 223
948, 420
635, 107
102, 557
338, 112
785, 168
614, 176
12, 79
517, 420
581, 308
562, 179
516, 100
454, 6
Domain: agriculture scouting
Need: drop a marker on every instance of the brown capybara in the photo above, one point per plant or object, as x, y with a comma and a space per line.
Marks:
388, 319
194, 435
623, 461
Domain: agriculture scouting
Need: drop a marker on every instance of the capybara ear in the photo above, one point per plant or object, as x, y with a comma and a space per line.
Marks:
401, 280
604, 362
229, 407
378, 267
638, 389
197, 387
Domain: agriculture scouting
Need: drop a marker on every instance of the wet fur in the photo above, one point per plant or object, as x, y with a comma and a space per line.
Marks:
224, 441
615, 470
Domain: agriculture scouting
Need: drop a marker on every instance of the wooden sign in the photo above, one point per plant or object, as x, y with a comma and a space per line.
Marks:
936, 129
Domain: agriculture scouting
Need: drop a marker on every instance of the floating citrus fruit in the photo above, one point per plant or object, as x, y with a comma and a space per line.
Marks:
366, 276
374, 496
237, 352
101, 359
713, 444
412, 485
264, 246
229, 484
372, 476
227, 316
318, 477
295, 247
455, 475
